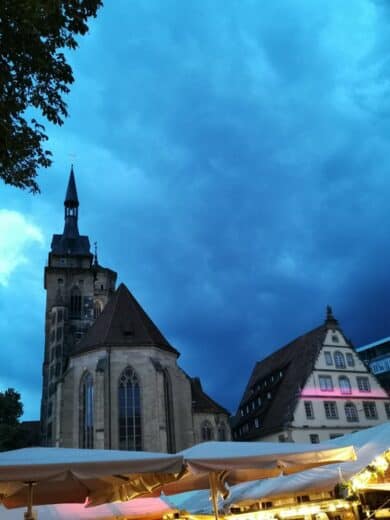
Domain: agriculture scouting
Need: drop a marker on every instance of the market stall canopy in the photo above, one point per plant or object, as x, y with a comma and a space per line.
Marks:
137, 509
64, 475
236, 462
369, 444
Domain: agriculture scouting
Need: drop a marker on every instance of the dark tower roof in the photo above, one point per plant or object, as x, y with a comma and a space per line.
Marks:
123, 323
71, 199
71, 242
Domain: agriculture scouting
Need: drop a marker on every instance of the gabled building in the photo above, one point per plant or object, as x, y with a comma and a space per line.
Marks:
110, 377
313, 389
376, 356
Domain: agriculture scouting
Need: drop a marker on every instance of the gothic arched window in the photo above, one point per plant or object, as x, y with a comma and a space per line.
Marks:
351, 412
129, 411
339, 360
168, 402
207, 432
345, 385
86, 411
75, 303
222, 432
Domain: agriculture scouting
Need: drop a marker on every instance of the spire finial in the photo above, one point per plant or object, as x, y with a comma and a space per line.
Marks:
330, 320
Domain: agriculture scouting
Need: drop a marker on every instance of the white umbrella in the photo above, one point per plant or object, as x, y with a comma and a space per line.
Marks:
62, 475
213, 464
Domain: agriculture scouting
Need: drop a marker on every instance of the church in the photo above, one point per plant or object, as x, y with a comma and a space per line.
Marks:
110, 378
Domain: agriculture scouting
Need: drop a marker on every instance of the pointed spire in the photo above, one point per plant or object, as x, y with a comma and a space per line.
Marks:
71, 208
330, 320
71, 199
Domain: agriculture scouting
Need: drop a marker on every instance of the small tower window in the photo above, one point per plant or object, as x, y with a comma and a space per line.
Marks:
75, 303
97, 309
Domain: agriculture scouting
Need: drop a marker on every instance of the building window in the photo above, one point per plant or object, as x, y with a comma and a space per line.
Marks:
309, 409
339, 360
387, 410
331, 409
314, 438
363, 384
59, 334
335, 338
281, 437
129, 403
75, 303
350, 360
257, 422
370, 411
351, 412
335, 435
345, 385
207, 432
86, 411
222, 432
326, 383
328, 358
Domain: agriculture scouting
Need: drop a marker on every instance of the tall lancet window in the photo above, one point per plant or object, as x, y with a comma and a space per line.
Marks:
75, 303
86, 411
129, 405
168, 402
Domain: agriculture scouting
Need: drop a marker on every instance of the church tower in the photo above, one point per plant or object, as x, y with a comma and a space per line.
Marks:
110, 377
77, 290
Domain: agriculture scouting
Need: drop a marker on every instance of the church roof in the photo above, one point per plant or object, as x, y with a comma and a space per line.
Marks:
286, 372
123, 323
201, 402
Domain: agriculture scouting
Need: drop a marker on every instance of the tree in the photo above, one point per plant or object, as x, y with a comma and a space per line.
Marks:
34, 77
11, 409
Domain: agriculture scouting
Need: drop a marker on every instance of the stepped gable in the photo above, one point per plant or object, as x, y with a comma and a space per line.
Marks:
201, 402
123, 323
296, 360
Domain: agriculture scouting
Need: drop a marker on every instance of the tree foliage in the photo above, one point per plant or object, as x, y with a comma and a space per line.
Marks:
11, 409
34, 74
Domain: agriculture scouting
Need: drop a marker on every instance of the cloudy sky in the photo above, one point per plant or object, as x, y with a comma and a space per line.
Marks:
232, 161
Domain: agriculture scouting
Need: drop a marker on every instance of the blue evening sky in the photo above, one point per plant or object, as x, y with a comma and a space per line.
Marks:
232, 161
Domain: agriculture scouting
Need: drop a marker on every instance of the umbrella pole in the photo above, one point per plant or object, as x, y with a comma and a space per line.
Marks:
29, 514
214, 493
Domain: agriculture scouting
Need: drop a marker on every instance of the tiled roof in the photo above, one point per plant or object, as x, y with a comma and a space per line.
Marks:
201, 402
123, 323
294, 362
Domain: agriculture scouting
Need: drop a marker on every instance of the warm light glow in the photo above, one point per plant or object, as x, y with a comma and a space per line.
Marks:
289, 512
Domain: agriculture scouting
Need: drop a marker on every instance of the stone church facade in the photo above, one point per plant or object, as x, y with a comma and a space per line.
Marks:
110, 378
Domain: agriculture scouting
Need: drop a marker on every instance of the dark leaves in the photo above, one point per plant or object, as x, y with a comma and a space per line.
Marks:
34, 73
